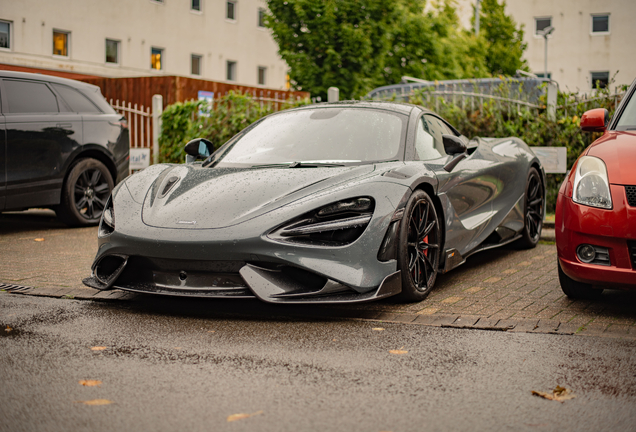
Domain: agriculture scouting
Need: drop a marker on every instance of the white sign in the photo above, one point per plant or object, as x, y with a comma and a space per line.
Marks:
553, 159
139, 158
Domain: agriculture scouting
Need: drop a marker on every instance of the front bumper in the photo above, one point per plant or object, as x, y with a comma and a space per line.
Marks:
612, 229
241, 261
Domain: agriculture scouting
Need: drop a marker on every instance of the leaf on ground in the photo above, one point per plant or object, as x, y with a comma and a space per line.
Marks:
39, 239
399, 351
90, 383
98, 348
95, 402
240, 416
377, 329
8, 329
559, 394
211, 331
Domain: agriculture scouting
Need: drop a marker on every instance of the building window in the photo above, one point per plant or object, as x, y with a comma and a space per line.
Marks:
60, 43
112, 51
230, 10
156, 57
5, 34
600, 23
261, 17
600, 79
231, 71
195, 5
261, 75
541, 23
195, 64
542, 75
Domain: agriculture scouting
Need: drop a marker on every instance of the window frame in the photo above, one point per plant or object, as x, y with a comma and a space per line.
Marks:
535, 25
10, 37
234, 74
258, 75
68, 43
593, 81
260, 18
234, 11
200, 58
196, 11
162, 59
600, 33
118, 44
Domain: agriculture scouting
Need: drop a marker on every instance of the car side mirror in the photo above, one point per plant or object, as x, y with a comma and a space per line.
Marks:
453, 145
595, 120
198, 148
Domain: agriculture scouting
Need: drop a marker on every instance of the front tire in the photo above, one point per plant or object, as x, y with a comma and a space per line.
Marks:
577, 290
532, 211
419, 247
85, 192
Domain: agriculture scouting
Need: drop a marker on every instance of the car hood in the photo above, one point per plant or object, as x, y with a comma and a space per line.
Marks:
618, 151
204, 198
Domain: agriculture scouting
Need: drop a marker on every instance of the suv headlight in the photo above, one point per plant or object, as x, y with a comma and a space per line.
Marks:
591, 184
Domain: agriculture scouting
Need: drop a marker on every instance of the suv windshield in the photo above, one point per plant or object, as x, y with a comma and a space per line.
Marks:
321, 135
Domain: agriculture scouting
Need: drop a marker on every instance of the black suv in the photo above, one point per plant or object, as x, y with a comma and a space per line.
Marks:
62, 146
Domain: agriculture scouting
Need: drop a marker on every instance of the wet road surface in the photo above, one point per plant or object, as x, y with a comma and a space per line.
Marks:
172, 365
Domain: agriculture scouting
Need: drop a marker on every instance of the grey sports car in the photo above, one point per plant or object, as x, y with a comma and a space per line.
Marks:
328, 203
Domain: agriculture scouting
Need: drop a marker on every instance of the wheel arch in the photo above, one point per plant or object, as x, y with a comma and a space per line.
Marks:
92, 153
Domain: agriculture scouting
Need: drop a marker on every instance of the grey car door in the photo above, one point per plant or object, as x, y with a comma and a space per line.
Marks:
41, 134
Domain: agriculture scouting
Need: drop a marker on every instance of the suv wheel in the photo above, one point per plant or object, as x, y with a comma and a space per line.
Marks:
85, 192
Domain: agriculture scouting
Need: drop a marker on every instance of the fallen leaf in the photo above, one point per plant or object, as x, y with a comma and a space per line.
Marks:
39, 239
377, 329
8, 329
95, 402
177, 348
399, 351
90, 383
559, 394
241, 416
211, 331
98, 348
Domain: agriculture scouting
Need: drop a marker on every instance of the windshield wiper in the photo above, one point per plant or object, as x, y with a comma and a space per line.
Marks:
299, 165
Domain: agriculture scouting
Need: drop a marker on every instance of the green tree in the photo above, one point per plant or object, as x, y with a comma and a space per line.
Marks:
503, 39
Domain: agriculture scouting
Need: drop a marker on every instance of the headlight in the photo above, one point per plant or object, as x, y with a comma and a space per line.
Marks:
107, 224
591, 184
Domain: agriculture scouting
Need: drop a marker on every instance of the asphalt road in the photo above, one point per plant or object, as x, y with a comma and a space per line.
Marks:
172, 365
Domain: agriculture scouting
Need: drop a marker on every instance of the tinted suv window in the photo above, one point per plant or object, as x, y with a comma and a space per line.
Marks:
29, 97
75, 100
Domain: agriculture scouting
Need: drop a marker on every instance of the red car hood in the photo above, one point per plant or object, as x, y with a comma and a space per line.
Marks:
618, 151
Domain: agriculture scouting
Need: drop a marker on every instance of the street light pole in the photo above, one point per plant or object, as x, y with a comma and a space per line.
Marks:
477, 18
545, 33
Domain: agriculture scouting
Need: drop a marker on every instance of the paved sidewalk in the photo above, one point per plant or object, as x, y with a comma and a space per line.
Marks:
503, 289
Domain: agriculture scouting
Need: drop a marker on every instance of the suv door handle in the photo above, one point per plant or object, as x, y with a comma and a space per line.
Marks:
65, 125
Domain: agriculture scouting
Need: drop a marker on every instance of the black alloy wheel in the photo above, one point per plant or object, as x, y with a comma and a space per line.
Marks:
85, 192
419, 249
533, 210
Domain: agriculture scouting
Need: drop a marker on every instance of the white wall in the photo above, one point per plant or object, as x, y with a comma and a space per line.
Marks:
140, 25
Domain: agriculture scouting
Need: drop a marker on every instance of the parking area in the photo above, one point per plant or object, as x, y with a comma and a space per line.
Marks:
502, 289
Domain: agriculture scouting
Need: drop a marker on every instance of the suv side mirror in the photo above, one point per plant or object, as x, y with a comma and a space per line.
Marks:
595, 120
453, 145
198, 148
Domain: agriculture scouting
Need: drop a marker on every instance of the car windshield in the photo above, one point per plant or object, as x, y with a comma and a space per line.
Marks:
627, 120
327, 136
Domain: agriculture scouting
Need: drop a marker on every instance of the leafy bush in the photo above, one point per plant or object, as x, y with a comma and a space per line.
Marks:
184, 121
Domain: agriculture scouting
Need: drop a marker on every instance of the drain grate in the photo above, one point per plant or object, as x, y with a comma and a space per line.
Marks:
14, 288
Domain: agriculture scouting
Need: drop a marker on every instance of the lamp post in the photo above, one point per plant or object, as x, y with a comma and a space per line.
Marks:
545, 33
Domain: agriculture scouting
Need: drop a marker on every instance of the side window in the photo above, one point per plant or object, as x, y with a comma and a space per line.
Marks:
425, 143
75, 100
29, 97
437, 128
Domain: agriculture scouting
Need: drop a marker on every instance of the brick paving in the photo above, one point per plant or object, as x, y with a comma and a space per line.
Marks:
502, 289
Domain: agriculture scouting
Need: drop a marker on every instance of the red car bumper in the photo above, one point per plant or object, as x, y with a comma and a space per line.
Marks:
612, 229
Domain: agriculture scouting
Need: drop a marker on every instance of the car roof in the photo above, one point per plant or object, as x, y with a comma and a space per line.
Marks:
48, 78
400, 107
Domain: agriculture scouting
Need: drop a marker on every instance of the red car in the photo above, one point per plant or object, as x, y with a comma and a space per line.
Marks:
596, 207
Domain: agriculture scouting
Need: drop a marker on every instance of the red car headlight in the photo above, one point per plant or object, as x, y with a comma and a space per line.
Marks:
591, 184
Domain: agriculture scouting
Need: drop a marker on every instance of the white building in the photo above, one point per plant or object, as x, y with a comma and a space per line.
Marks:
218, 40
592, 39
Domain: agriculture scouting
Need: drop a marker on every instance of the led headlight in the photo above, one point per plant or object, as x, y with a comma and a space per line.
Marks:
357, 205
591, 184
107, 224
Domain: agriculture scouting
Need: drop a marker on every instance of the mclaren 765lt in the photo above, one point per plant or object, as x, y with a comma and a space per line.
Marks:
328, 203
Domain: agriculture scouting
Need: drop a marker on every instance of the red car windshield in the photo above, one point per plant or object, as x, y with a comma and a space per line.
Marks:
627, 120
